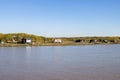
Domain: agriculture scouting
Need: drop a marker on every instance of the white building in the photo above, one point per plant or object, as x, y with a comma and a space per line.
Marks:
25, 40
57, 41
1, 42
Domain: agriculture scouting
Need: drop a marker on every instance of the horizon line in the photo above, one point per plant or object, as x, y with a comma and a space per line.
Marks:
63, 36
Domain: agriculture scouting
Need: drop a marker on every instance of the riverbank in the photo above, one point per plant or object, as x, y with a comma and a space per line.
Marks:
23, 39
52, 44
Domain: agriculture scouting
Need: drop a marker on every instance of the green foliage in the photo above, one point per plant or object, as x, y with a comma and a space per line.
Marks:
48, 40
18, 37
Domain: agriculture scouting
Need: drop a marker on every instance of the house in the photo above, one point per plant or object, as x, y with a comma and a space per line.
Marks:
92, 41
57, 41
26, 40
1, 42
105, 41
113, 41
79, 41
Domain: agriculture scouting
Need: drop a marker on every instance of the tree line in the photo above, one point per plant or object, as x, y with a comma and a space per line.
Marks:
40, 39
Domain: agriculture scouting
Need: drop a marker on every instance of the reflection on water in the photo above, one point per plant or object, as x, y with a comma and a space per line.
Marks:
99, 62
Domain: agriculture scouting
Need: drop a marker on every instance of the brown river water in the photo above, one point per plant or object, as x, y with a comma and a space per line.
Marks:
93, 62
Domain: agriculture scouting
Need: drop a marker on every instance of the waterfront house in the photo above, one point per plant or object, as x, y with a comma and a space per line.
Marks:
57, 41
26, 40
1, 42
79, 41
105, 41
113, 41
92, 41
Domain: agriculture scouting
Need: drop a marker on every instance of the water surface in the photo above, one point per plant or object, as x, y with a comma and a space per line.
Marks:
96, 62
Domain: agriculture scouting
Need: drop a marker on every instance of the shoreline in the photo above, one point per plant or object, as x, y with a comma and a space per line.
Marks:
52, 44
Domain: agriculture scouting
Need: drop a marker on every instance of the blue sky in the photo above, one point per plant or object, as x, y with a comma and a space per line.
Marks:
57, 18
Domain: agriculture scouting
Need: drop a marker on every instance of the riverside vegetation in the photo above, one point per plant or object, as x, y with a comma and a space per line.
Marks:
15, 39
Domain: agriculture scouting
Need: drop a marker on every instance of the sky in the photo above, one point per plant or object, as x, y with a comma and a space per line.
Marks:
61, 18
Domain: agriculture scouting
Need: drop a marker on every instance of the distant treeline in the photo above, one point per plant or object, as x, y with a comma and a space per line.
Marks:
96, 40
17, 37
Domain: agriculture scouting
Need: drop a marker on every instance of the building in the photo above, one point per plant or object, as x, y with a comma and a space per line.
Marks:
92, 41
57, 41
1, 42
79, 41
26, 40
106, 41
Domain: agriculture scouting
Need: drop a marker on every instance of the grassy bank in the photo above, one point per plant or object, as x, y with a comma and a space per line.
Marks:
50, 44
16, 39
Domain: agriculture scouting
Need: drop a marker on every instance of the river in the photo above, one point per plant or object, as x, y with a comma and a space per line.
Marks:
92, 62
